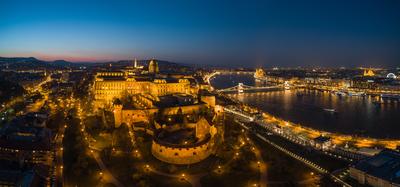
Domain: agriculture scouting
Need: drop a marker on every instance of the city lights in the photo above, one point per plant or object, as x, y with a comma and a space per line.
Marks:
210, 93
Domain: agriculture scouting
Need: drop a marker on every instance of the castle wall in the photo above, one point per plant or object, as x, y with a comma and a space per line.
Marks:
132, 116
210, 100
117, 115
188, 155
185, 109
138, 115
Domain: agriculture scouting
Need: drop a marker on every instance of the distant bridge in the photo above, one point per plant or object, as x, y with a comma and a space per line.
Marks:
208, 77
240, 88
238, 72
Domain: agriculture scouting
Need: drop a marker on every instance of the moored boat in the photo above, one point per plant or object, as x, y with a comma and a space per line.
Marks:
331, 110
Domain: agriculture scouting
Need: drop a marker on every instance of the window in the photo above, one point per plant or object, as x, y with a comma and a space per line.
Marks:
160, 150
194, 153
176, 154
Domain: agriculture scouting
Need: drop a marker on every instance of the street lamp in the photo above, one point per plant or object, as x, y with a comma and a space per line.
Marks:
219, 169
182, 176
147, 167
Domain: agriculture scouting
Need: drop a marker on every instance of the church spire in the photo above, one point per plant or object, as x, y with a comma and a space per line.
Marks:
135, 65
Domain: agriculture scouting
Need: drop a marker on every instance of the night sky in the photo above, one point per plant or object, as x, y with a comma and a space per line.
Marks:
242, 33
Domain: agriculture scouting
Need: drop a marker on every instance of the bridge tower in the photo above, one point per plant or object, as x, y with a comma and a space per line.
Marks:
287, 85
240, 88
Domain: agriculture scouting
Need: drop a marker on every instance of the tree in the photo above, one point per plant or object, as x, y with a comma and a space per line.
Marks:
117, 101
179, 116
126, 98
94, 125
122, 137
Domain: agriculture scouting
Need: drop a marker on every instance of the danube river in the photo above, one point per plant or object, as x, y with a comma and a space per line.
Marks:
354, 115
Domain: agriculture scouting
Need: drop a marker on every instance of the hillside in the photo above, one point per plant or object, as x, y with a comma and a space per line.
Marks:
33, 63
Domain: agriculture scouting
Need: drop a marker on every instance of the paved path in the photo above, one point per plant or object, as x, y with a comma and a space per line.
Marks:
194, 180
107, 175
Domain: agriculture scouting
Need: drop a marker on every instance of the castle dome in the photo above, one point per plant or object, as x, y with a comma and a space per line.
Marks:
153, 67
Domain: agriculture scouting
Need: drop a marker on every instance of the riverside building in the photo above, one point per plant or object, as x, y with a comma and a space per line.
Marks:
381, 170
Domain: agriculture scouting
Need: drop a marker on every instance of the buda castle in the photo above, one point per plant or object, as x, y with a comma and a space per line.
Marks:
169, 107
109, 85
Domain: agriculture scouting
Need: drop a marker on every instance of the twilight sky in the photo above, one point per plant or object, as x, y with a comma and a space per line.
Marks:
248, 33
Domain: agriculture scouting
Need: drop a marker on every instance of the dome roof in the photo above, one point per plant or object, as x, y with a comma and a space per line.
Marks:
391, 76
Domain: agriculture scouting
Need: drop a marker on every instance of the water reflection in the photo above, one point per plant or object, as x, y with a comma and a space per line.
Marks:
352, 115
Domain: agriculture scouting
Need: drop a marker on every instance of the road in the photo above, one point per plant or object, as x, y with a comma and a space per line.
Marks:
305, 161
262, 167
59, 180
34, 107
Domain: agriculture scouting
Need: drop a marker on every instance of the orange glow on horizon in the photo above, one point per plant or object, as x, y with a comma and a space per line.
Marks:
75, 57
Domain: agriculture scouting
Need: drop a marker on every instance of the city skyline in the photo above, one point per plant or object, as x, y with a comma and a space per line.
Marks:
307, 33
199, 93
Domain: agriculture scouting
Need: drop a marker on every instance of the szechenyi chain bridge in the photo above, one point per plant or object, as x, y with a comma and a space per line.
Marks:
241, 87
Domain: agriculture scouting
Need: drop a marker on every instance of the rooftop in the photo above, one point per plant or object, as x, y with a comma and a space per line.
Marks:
35, 176
23, 133
175, 100
178, 136
385, 165
182, 138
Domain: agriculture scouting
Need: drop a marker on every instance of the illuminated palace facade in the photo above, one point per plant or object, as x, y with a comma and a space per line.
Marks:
109, 85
